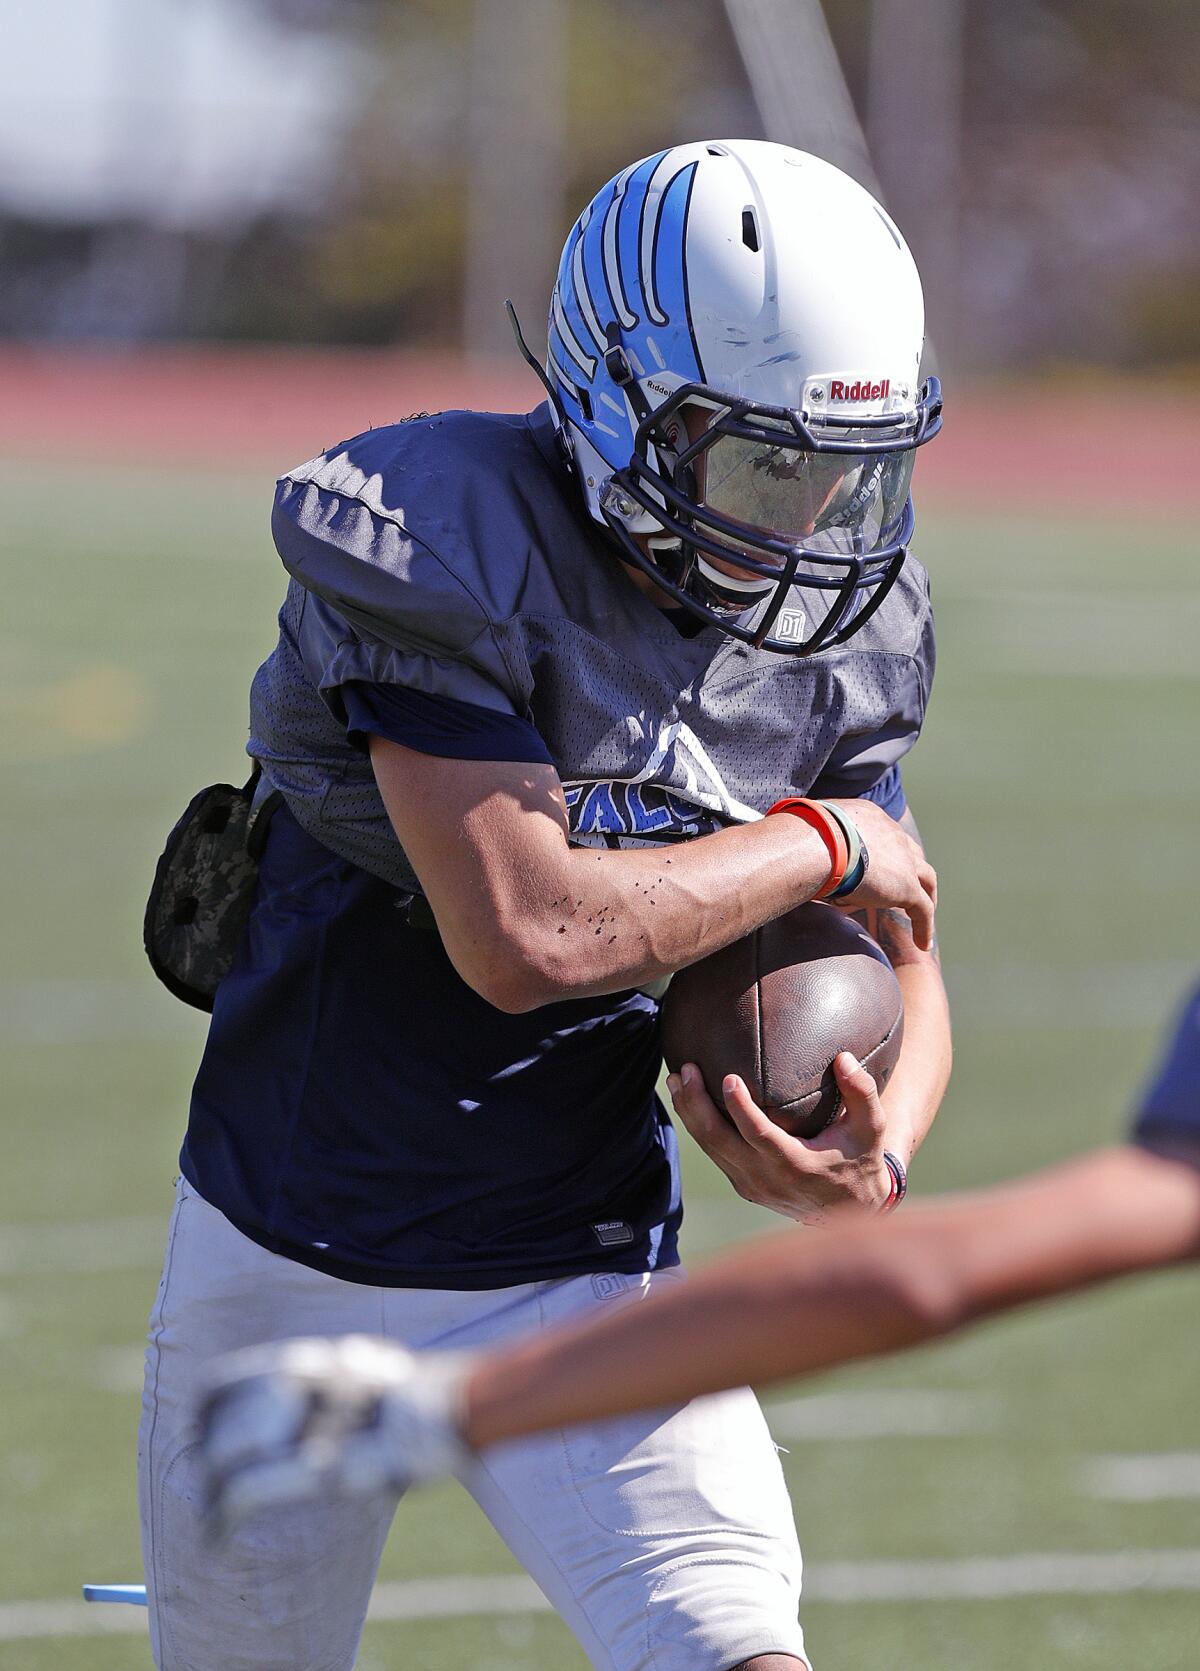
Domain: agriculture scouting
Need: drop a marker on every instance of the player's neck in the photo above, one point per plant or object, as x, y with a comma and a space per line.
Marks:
644, 584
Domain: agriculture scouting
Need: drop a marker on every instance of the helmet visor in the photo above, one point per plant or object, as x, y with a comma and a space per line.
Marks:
842, 504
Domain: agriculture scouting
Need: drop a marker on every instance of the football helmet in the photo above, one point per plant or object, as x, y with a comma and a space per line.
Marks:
735, 338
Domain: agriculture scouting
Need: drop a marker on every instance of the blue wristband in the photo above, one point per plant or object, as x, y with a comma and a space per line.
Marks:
859, 858
855, 877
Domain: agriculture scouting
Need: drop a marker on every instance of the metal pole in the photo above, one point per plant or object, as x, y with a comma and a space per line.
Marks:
914, 121
515, 167
797, 82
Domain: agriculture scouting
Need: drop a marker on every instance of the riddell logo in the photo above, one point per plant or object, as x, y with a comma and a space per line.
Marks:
862, 390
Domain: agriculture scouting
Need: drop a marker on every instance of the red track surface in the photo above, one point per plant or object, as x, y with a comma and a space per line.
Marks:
266, 409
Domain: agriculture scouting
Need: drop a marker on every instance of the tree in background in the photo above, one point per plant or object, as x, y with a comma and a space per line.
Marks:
1061, 230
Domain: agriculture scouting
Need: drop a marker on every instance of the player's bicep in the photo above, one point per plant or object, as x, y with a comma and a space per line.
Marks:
480, 834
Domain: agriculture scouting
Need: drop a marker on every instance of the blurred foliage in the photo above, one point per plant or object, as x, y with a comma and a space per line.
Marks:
392, 260
1163, 319
1077, 238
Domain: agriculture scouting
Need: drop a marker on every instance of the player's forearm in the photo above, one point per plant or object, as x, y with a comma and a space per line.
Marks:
779, 1307
1104, 1215
918, 1083
527, 919
589, 922
788, 1305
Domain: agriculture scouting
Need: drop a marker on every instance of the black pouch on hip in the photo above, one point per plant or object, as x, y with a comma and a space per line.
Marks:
204, 887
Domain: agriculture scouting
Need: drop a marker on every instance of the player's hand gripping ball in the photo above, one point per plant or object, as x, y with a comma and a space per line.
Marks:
777, 1007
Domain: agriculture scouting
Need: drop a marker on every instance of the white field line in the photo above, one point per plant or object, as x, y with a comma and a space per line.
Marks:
26, 1621
901, 1413
1033, 994
108, 1244
987, 1578
87, 1011
1068, 636
1006, 1577
1143, 1479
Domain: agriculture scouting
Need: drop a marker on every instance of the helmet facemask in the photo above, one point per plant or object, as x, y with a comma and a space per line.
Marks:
766, 292
810, 511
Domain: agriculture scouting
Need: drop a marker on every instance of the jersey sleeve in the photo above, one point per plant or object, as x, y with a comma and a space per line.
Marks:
867, 762
416, 619
438, 725
888, 793
1170, 1107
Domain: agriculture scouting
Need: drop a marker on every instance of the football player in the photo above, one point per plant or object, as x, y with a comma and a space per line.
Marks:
335, 1416
539, 680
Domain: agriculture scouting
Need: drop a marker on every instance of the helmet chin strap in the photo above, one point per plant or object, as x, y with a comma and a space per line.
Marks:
712, 585
727, 587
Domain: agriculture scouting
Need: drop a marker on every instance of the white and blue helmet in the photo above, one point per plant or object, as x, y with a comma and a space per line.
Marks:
735, 338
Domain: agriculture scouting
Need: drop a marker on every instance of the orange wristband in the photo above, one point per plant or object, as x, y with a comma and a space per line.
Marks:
831, 833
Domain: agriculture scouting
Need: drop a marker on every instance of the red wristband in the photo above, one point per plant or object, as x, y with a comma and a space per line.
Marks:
831, 833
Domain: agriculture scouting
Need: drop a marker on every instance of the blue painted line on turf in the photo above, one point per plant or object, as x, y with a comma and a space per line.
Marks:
133, 1595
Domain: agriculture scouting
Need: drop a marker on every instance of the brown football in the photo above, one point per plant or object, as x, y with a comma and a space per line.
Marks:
778, 1006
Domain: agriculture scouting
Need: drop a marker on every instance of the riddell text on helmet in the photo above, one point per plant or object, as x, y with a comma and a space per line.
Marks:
860, 390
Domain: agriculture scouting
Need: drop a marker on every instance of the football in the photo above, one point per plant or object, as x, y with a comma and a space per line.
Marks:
778, 1006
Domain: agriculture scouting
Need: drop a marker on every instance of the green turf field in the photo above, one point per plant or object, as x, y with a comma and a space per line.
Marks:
1057, 787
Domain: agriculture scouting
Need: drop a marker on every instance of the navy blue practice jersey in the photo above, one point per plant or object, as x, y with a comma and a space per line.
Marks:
358, 1107
1170, 1108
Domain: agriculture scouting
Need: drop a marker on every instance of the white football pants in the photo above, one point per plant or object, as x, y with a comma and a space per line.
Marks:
664, 1540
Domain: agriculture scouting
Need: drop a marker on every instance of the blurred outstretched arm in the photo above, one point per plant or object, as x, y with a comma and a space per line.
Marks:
784, 1306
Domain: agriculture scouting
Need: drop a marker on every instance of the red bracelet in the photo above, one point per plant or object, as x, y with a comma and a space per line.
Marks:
831, 833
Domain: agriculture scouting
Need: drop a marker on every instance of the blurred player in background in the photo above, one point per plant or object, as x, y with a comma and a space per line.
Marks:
325, 1417
538, 680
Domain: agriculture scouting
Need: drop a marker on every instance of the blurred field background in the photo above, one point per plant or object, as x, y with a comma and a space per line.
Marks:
232, 233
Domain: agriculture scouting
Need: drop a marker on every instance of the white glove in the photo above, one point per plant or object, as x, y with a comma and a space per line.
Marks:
309, 1420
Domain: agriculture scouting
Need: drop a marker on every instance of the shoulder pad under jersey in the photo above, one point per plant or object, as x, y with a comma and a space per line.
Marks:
419, 534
